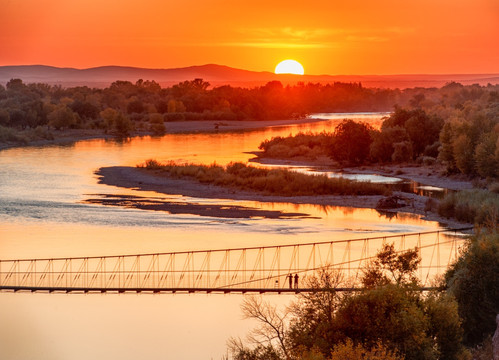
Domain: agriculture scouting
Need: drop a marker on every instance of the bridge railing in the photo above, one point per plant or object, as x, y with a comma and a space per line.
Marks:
265, 267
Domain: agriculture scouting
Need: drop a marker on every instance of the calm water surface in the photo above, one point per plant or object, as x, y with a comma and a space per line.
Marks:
42, 214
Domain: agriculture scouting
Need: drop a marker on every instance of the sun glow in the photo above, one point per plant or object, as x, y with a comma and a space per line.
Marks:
289, 67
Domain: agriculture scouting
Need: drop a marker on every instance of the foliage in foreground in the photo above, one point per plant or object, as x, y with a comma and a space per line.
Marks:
280, 182
388, 320
350, 351
473, 280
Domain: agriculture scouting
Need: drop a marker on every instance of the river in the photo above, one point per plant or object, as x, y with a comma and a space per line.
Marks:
43, 214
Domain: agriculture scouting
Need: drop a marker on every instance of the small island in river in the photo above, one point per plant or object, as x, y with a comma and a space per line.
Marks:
154, 179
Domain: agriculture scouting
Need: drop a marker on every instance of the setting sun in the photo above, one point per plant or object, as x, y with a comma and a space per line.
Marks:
289, 67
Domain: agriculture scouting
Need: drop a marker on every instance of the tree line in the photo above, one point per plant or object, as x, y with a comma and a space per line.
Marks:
124, 106
457, 126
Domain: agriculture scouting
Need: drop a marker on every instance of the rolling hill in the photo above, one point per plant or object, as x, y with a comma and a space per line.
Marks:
221, 75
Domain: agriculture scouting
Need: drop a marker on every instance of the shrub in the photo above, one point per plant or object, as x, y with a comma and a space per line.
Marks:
157, 124
10, 135
349, 351
402, 151
151, 164
472, 206
304, 145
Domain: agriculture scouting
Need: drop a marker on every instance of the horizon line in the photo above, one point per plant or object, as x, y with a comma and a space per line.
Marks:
241, 69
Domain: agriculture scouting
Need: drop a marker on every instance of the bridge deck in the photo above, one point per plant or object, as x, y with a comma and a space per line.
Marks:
182, 290
279, 269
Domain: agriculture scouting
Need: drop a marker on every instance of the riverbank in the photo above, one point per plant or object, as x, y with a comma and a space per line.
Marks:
146, 180
69, 136
429, 175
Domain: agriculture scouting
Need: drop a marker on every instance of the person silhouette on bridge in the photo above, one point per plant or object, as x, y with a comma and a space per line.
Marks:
296, 281
290, 281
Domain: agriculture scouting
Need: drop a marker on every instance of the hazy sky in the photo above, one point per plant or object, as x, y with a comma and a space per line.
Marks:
327, 37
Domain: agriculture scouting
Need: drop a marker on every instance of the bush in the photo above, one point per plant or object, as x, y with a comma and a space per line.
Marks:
473, 206
151, 164
156, 124
352, 141
10, 135
302, 145
402, 151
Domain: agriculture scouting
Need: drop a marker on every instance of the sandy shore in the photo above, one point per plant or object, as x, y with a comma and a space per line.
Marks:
147, 180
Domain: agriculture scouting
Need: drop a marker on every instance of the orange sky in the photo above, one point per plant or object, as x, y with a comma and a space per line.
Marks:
326, 36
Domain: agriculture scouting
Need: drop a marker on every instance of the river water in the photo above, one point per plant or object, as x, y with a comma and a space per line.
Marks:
43, 214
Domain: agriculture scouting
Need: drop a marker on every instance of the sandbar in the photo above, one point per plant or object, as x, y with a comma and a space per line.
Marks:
149, 180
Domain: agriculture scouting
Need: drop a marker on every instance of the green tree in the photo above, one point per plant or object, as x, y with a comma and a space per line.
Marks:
157, 124
446, 151
474, 282
351, 142
116, 121
122, 125
108, 115
463, 151
390, 267
62, 117
85, 109
445, 326
15, 85
383, 142
135, 106
391, 314
4, 117
486, 163
312, 326
402, 151
421, 129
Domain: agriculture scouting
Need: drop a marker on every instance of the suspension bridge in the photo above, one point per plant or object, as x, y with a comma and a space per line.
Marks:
265, 269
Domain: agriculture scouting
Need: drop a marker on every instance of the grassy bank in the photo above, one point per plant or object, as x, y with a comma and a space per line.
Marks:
280, 182
474, 206
23, 137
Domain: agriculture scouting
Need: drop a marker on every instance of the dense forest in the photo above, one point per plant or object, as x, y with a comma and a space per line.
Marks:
125, 108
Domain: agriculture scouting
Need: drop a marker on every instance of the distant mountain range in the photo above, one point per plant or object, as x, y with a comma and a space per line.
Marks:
220, 75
